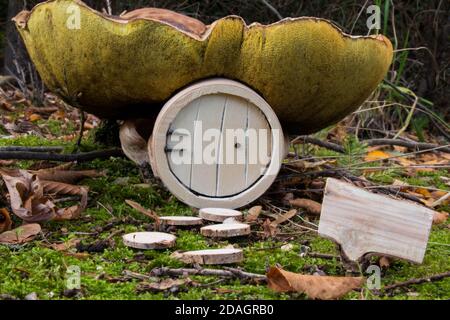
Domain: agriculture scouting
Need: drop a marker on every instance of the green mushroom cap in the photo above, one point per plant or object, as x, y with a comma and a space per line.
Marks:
307, 69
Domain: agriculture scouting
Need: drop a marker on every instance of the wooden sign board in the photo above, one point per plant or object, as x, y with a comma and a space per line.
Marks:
363, 222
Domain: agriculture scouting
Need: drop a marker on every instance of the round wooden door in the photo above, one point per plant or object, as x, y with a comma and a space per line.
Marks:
217, 143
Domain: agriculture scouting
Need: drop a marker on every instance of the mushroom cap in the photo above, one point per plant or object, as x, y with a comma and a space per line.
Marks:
307, 69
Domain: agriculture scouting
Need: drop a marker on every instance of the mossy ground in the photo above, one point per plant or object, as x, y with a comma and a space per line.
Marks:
36, 268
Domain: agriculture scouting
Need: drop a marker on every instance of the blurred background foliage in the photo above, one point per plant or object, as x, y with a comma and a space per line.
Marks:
419, 30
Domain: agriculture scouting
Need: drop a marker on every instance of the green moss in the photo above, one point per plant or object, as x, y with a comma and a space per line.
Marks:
36, 268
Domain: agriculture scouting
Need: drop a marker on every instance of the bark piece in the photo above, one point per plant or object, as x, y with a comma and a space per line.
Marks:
149, 240
213, 256
181, 221
363, 222
219, 214
226, 230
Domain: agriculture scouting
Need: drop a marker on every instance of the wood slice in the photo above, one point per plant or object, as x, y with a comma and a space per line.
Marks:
219, 214
364, 222
213, 256
149, 240
226, 230
181, 221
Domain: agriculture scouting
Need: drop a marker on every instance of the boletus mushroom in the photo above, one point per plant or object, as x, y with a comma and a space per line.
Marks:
307, 69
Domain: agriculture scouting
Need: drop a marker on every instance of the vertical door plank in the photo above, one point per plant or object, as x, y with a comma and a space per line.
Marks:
233, 150
185, 120
204, 174
257, 164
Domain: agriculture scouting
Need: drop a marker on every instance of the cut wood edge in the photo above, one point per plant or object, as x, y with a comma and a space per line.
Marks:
212, 256
149, 240
181, 221
363, 234
219, 214
226, 230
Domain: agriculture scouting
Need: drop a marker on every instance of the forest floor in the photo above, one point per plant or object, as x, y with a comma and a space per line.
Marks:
42, 266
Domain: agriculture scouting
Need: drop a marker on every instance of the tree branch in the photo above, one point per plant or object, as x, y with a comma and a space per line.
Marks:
79, 157
228, 273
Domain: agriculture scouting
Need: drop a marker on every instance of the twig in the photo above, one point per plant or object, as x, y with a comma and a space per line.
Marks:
139, 276
318, 142
322, 255
31, 149
440, 200
413, 281
408, 144
80, 134
420, 146
79, 157
228, 273
104, 207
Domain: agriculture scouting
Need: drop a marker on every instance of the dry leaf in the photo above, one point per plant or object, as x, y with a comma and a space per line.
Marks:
21, 234
65, 245
376, 155
404, 161
424, 192
5, 220
283, 218
440, 217
27, 198
384, 262
315, 287
148, 213
269, 229
34, 117
311, 206
66, 176
72, 212
253, 214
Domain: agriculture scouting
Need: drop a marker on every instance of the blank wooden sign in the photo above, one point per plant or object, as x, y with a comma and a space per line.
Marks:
363, 222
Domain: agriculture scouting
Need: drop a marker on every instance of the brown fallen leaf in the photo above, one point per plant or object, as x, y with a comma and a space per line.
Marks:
34, 117
141, 209
440, 217
269, 230
311, 206
27, 196
72, 243
66, 176
21, 234
72, 212
5, 220
376, 155
384, 262
315, 287
253, 214
28, 199
283, 218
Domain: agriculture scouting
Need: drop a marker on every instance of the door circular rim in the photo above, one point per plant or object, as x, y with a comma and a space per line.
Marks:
168, 113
